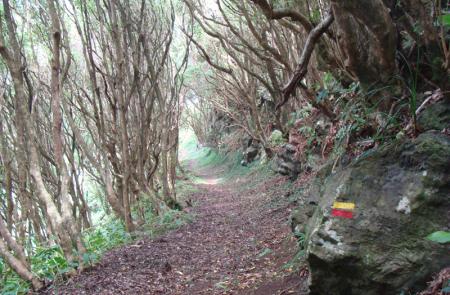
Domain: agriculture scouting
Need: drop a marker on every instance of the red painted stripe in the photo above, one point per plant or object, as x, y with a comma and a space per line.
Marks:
341, 213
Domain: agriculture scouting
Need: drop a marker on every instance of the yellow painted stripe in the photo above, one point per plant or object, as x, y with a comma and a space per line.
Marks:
343, 205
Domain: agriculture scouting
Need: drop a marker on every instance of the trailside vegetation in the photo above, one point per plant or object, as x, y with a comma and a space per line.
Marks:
93, 95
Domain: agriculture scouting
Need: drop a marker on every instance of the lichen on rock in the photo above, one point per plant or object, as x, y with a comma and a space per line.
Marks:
402, 194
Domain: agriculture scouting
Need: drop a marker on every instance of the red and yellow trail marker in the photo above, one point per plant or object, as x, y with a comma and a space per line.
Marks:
343, 209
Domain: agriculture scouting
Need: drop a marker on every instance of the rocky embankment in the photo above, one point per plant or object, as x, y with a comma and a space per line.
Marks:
401, 194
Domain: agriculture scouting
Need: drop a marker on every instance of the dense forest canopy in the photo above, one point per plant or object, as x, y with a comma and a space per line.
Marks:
93, 95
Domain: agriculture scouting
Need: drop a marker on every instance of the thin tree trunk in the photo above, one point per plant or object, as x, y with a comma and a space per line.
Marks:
23, 270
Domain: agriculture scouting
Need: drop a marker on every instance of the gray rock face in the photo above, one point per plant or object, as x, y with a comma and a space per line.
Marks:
436, 116
251, 150
285, 162
402, 194
250, 154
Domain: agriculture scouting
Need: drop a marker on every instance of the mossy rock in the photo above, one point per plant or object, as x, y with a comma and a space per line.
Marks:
435, 117
402, 194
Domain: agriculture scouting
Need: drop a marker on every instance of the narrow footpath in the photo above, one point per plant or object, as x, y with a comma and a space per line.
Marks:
237, 244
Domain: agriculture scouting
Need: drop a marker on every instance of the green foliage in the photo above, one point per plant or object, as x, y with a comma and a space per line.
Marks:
302, 113
173, 219
105, 237
315, 16
48, 262
359, 115
412, 83
354, 115
185, 188
276, 138
360, 118
445, 19
11, 283
310, 133
210, 157
441, 237
170, 220
300, 239
295, 262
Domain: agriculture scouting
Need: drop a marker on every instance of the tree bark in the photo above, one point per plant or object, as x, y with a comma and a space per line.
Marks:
19, 267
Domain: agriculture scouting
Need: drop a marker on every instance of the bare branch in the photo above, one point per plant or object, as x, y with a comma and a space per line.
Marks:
302, 67
281, 13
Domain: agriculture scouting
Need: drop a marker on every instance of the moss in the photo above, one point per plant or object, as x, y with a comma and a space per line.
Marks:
435, 117
421, 197
387, 246
434, 147
430, 143
276, 138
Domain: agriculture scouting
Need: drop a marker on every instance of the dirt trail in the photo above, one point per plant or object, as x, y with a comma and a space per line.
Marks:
225, 250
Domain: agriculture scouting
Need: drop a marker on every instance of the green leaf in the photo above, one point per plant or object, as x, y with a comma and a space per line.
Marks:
445, 19
60, 261
86, 258
441, 237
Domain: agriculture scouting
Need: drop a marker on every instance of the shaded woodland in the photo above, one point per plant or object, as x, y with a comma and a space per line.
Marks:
93, 95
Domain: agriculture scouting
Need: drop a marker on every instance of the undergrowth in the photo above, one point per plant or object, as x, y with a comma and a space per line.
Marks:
170, 220
201, 158
49, 263
297, 261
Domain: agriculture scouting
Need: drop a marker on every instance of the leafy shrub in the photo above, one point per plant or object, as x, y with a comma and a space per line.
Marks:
106, 237
48, 262
170, 220
310, 134
302, 113
276, 138
11, 283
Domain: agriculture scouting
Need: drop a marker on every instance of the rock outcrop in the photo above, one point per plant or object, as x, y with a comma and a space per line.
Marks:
435, 117
251, 149
286, 162
401, 194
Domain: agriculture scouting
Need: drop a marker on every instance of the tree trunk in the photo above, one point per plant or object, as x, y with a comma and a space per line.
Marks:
23, 270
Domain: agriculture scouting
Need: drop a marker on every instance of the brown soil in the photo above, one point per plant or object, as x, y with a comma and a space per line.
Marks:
220, 252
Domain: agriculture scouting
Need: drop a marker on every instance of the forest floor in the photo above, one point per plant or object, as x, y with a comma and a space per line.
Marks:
239, 242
